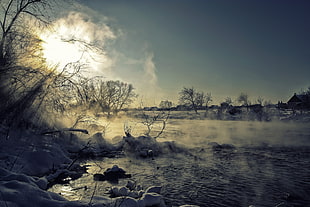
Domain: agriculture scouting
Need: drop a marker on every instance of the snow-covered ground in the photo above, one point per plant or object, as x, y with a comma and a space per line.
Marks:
30, 162
26, 161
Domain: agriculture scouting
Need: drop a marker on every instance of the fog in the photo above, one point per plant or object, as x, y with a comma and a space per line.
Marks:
193, 133
263, 167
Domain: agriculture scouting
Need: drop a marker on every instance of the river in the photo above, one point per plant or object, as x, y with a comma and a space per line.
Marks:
224, 163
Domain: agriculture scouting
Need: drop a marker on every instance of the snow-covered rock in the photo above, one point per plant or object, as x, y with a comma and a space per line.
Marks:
134, 194
139, 187
140, 193
42, 183
152, 199
153, 189
114, 192
123, 191
126, 202
131, 185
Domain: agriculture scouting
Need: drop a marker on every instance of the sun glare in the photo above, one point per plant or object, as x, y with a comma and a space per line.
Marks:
59, 52
76, 38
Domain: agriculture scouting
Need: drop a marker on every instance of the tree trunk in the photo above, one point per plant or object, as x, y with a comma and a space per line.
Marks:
2, 59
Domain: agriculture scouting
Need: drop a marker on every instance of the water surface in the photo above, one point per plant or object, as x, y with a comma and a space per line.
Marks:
263, 164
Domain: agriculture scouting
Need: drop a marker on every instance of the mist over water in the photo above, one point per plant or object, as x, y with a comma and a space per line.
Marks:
193, 133
224, 163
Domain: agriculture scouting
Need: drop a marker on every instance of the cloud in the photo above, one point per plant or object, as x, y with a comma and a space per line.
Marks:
148, 88
137, 66
77, 37
140, 71
150, 69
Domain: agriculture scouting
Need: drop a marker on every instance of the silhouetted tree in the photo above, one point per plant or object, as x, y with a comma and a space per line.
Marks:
23, 76
192, 98
112, 96
165, 104
244, 100
260, 100
153, 119
200, 99
228, 101
208, 99
14, 33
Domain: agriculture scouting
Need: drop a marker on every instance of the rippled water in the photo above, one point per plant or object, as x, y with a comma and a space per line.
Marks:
269, 166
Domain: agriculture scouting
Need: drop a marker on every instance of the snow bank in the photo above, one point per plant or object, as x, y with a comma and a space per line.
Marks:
32, 154
24, 158
22, 190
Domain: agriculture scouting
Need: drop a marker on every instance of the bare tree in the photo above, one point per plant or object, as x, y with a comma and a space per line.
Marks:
158, 119
244, 100
200, 99
12, 24
208, 99
112, 96
228, 101
30, 88
23, 76
192, 98
165, 104
260, 100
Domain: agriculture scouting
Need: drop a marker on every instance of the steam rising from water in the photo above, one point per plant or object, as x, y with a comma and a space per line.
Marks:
193, 133
262, 169
242, 133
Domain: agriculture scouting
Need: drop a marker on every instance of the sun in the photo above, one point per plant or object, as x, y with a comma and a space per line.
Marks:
76, 37
60, 52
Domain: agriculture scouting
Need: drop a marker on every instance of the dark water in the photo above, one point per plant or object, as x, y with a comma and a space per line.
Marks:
244, 175
260, 177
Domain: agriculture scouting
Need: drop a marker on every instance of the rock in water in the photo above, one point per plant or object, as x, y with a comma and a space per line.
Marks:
131, 185
113, 174
99, 177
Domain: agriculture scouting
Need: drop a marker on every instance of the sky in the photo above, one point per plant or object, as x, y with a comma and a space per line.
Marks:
222, 47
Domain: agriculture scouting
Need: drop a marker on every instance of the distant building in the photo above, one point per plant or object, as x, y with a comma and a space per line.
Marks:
152, 108
299, 102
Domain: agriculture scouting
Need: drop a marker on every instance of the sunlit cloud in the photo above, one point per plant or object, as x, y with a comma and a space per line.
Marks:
76, 37
150, 69
87, 38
